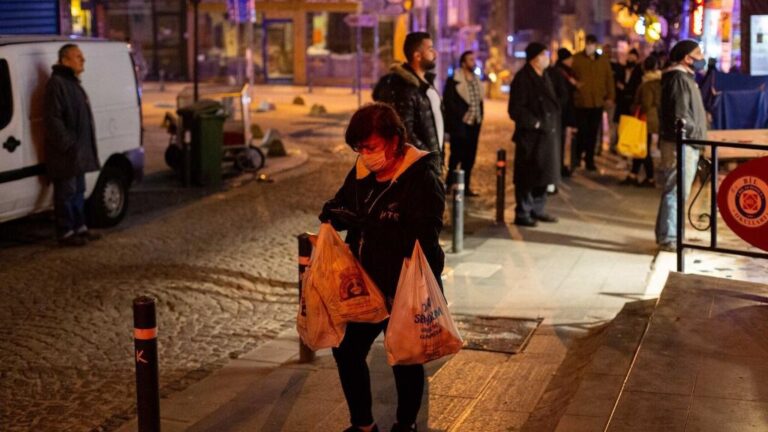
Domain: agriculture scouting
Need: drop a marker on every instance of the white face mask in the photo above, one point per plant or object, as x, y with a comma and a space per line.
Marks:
375, 161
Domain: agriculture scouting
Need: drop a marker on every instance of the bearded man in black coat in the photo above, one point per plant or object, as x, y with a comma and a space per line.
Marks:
534, 107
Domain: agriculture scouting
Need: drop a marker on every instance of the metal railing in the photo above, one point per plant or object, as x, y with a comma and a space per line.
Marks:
682, 198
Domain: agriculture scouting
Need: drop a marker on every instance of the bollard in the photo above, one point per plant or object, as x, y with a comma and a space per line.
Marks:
458, 211
501, 176
145, 343
306, 355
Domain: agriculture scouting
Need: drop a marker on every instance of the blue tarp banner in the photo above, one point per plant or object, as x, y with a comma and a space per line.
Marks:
736, 101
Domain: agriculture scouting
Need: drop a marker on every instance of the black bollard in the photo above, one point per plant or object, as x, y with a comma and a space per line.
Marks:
145, 342
501, 176
458, 211
306, 355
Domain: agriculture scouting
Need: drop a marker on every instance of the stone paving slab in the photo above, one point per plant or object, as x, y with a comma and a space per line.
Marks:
700, 367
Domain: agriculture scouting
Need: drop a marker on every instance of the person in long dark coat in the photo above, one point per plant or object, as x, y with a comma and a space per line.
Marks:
535, 109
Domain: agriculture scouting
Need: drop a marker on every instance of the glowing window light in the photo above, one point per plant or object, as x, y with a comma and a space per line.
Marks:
697, 20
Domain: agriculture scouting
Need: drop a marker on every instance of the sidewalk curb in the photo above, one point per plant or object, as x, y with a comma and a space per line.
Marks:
183, 409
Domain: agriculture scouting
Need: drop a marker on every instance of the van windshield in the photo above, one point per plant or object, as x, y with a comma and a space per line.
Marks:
6, 98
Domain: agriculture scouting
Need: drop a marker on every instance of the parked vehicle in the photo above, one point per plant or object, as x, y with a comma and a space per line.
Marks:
110, 82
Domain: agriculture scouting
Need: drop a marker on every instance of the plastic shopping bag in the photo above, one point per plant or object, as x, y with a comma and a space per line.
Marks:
420, 327
633, 137
313, 322
346, 289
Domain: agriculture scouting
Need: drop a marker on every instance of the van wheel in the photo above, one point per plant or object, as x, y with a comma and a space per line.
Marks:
109, 201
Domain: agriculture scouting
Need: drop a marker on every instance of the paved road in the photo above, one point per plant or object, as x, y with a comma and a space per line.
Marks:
220, 262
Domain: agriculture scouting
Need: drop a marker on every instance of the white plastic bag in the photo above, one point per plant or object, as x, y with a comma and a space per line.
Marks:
420, 326
348, 292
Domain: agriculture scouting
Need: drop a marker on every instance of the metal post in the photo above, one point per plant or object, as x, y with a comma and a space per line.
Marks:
359, 69
306, 355
195, 51
680, 171
458, 211
145, 342
713, 198
501, 176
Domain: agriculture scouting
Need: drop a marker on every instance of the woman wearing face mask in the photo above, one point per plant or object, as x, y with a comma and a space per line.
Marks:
390, 199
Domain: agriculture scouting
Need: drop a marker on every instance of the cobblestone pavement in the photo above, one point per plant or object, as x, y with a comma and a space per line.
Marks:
223, 268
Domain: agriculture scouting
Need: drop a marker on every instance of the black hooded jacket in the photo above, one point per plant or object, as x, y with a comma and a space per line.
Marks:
70, 134
407, 94
389, 219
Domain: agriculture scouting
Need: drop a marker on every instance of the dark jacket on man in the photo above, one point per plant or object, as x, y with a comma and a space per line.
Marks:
681, 98
407, 94
70, 134
625, 97
456, 103
534, 108
387, 221
560, 75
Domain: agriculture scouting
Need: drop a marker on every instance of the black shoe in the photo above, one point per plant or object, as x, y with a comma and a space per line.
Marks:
357, 429
648, 183
89, 235
72, 241
397, 427
591, 168
525, 222
546, 218
470, 193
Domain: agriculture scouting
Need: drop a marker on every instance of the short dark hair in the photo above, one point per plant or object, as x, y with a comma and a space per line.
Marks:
375, 118
413, 42
651, 63
65, 49
635, 52
591, 38
464, 56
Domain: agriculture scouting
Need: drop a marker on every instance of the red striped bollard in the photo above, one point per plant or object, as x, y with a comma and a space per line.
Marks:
147, 377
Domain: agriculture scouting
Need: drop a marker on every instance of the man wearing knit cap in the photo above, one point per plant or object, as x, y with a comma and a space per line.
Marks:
680, 99
534, 108
595, 93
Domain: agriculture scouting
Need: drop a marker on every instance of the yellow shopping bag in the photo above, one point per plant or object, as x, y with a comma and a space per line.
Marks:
633, 136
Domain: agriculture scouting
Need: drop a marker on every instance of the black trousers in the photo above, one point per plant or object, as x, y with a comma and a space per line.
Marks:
463, 153
589, 120
356, 380
69, 205
530, 201
646, 163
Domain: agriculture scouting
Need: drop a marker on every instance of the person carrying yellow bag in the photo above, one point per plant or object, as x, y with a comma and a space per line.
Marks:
390, 199
647, 101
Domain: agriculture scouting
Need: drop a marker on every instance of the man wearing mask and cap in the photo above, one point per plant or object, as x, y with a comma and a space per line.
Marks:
680, 99
595, 93
534, 107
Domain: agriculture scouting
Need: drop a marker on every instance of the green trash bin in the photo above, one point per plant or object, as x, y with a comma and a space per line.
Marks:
205, 121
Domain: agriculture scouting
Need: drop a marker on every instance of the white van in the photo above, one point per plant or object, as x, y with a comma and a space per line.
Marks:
110, 82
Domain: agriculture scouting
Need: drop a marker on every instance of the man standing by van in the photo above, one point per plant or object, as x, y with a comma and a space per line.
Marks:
70, 146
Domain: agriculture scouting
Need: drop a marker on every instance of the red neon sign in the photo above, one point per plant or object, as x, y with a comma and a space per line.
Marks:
697, 17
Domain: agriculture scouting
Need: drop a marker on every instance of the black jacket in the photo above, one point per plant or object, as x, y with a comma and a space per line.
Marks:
389, 223
560, 76
70, 135
534, 108
456, 105
625, 98
403, 89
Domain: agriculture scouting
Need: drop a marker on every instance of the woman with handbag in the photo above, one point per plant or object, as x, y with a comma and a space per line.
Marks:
647, 103
390, 199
